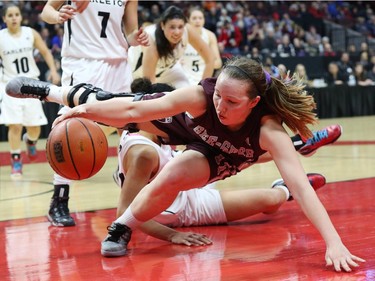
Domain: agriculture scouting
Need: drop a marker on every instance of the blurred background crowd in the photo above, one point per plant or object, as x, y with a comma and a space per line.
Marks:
326, 42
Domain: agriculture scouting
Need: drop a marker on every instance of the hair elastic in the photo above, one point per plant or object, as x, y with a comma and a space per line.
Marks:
240, 70
268, 78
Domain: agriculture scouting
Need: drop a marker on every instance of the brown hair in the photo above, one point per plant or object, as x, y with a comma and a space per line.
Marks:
287, 98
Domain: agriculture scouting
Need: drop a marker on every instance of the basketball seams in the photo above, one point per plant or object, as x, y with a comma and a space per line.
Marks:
92, 145
68, 144
77, 148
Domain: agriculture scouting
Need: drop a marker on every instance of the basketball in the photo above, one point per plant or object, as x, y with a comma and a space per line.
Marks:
76, 148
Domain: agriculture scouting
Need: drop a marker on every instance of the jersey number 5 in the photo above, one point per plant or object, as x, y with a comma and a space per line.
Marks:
195, 66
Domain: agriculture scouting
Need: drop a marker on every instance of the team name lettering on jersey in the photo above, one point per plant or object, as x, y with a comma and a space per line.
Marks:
119, 3
225, 146
17, 51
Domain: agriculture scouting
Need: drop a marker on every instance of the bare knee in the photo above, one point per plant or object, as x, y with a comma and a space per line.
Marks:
143, 157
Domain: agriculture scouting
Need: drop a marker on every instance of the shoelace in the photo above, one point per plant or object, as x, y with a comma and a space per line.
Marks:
116, 231
318, 136
35, 91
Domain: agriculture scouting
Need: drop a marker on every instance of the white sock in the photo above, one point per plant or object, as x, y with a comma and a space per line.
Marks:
128, 219
285, 189
55, 94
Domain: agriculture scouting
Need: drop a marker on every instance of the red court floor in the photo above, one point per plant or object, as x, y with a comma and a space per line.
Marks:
283, 246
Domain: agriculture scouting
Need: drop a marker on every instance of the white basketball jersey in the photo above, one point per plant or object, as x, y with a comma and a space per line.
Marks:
97, 32
193, 63
136, 54
17, 54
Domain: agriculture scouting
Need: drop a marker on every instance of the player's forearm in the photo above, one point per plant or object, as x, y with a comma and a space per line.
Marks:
317, 214
50, 14
158, 230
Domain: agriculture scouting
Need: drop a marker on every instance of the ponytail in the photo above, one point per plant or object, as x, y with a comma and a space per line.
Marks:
287, 98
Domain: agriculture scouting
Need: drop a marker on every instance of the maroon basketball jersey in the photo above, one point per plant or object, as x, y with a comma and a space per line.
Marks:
228, 152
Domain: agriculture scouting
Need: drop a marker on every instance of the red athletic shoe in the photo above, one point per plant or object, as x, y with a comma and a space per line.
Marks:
316, 180
320, 138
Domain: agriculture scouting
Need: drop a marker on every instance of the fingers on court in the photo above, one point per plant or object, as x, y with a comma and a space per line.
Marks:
345, 264
199, 239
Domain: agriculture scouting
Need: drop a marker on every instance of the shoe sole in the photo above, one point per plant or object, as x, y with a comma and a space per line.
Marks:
50, 219
113, 254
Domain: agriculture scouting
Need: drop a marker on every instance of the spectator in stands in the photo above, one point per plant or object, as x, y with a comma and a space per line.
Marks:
154, 13
255, 54
345, 64
254, 36
300, 70
334, 76
283, 72
371, 64
360, 26
352, 50
299, 47
56, 42
364, 48
46, 37
211, 18
269, 43
285, 48
361, 77
287, 25
230, 38
317, 10
364, 59
313, 40
327, 50
324, 40
270, 67
371, 26
371, 73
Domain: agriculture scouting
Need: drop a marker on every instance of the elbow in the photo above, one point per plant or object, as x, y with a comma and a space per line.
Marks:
218, 63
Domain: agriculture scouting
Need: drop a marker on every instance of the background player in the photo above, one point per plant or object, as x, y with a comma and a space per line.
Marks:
192, 62
97, 36
17, 44
160, 62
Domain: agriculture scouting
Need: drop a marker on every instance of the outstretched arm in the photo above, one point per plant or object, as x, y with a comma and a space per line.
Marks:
274, 139
119, 112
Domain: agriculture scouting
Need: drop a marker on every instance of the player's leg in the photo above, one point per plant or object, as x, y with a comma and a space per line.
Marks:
239, 204
138, 163
12, 117
139, 160
14, 140
31, 138
58, 212
23, 87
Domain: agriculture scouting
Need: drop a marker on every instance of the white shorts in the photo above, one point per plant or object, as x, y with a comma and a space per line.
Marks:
198, 206
112, 75
175, 76
27, 112
128, 140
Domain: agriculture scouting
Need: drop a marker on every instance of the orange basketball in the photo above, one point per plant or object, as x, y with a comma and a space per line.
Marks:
76, 148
